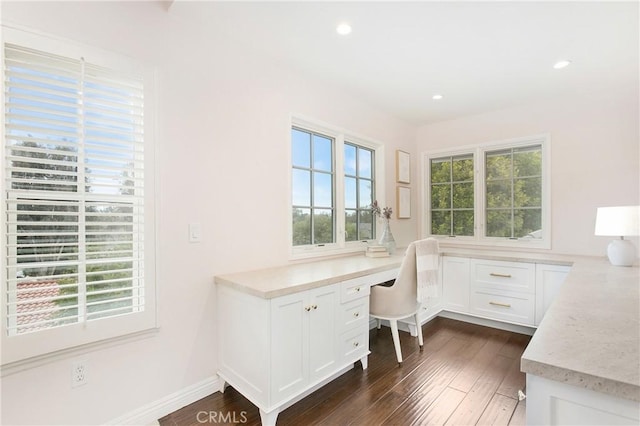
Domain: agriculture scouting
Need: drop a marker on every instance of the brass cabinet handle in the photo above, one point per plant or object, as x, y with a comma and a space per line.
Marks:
504, 305
495, 274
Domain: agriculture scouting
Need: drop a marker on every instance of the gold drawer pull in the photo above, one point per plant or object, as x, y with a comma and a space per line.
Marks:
504, 305
495, 274
356, 314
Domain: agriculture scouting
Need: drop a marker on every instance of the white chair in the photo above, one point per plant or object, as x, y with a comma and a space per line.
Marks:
400, 300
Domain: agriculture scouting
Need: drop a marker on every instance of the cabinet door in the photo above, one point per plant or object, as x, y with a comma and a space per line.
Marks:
304, 344
323, 331
289, 345
455, 283
549, 280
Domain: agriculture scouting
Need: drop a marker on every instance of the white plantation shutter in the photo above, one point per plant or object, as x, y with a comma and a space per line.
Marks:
74, 170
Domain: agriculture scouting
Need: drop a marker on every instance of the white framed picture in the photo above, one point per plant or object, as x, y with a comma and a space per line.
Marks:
403, 167
403, 197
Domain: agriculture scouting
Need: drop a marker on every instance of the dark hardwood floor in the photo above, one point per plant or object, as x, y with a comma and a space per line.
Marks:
466, 375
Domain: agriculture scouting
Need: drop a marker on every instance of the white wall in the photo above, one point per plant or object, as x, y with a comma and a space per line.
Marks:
595, 158
223, 139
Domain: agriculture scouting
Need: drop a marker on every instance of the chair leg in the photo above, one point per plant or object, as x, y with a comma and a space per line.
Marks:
419, 330
378, 323
396, 339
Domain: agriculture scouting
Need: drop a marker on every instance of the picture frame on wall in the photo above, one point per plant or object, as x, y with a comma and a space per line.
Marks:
403, 199
403, 167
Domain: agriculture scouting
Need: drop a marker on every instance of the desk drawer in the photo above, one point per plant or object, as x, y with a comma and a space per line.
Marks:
354, 289
515, 307
360, 287
354, 314
508, 276
354, 344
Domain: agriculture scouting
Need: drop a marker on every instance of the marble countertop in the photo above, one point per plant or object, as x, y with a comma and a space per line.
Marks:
279, 281
511, 255
590, 336
286, 279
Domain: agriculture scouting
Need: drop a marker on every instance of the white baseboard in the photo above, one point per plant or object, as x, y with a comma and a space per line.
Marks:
409, 327
487, 322
150, 413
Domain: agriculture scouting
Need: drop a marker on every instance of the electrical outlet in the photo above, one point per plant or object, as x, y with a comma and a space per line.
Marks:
79, 374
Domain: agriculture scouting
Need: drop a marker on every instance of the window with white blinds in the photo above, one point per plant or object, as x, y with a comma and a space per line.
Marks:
74, 171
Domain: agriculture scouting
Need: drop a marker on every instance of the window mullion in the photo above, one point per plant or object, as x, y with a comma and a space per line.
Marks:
478, 192
451, 233
339, 211
81, 189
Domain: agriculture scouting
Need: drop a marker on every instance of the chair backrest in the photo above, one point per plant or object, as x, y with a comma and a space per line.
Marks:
403, 293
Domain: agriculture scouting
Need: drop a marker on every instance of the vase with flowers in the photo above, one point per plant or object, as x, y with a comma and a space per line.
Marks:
386, 238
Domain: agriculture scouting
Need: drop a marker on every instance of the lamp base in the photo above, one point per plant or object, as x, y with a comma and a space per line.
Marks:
621, 252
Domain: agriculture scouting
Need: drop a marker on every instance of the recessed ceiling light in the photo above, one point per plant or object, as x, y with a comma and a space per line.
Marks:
437, 97
343, 28
561, 64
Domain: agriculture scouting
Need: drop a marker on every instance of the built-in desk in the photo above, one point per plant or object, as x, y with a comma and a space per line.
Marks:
284, 332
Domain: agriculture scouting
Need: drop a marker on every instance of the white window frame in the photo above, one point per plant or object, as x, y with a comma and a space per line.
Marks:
21, 350
478, 151
340, 136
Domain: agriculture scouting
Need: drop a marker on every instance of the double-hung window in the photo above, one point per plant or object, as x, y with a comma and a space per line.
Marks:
494, 193
333, 184
78, 210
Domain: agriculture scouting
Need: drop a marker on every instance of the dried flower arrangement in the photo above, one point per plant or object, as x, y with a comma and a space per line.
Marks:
384, 212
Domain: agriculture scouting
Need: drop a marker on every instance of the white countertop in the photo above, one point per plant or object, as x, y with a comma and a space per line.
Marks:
511, 256
590, 336
282, 280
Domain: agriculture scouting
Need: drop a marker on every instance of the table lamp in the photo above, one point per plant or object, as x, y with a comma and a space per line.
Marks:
622, 221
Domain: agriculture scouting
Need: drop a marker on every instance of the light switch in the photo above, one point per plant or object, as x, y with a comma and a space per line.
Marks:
195, 233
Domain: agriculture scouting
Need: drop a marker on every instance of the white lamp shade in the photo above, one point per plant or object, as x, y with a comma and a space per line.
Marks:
618, 221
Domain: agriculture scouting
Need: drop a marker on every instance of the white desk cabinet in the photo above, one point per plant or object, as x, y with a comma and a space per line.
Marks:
277, 350
503, 291
511, 292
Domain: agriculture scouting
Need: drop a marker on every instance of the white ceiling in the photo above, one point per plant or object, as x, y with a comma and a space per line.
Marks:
480, 56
